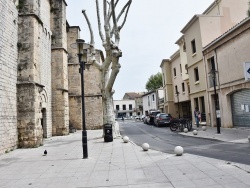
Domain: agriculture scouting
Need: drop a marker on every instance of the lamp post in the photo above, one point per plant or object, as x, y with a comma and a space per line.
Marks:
213, 72
177, 94
81, 50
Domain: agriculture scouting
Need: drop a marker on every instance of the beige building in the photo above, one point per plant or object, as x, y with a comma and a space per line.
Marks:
176, 90
227, 55
168, 92
198, 32
180, 87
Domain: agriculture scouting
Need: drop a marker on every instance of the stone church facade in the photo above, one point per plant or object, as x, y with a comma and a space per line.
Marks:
39, 75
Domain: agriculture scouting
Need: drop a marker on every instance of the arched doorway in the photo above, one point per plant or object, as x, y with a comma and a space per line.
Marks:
240, 101
44, 113
44, 122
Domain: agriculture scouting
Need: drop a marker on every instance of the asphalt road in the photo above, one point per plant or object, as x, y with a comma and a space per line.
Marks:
164, 140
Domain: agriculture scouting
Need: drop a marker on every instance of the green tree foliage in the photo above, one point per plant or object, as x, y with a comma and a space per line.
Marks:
154, 82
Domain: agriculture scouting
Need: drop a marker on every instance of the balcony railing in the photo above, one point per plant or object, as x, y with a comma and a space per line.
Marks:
125, 109
161, 100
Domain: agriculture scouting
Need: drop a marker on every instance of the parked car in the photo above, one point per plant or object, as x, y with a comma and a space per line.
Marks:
118, 118
136, 117
152, 115
142, 117
146, 120
163, 119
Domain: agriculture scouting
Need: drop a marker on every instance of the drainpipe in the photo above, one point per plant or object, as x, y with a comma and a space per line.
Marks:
217, 7
208, 101
219, 89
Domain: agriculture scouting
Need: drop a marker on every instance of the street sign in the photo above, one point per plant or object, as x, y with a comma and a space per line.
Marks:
247, 70
218, 113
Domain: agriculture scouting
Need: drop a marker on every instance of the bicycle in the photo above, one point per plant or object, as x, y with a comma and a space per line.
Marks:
181, 124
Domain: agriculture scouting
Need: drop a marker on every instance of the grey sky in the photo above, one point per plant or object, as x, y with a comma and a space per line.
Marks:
149, 35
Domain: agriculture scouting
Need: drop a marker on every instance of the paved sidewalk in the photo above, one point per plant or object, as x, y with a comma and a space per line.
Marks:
114, 164
236, 135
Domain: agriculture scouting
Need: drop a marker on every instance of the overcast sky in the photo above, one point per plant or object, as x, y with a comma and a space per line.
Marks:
149, 35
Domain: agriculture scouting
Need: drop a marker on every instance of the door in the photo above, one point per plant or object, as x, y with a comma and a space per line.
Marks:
240, 108
43, 123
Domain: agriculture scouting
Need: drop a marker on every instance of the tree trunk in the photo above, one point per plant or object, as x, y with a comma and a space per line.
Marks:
110, 67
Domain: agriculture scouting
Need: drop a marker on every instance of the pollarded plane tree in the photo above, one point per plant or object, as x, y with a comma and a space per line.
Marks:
110, 36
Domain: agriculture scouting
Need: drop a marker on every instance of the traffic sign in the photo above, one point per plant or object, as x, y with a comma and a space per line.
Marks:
247, 70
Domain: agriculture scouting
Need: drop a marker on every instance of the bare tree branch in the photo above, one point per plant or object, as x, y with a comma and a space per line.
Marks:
113, 14
116, 2
92, 41
116, 31
109, 11
97, 65
99, 21
115, 70
109, 15
125, 17
123, 9
105, 11
126, 6
110, 67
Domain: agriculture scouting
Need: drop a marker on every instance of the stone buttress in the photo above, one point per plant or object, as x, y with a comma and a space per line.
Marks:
34, 73
59, 59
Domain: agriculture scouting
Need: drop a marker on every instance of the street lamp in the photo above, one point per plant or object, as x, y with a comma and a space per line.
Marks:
81, 51
177, 94
213, 73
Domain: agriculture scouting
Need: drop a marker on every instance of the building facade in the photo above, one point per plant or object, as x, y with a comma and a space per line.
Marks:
8, 76
39, 72
124, 108
92, 77
138, 101
225, 56
168, 93
34, 73
151, 100
180, 88
59, 68
200, 31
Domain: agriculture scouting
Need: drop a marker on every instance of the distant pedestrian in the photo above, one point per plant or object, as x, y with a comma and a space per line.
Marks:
122, 118
197, 116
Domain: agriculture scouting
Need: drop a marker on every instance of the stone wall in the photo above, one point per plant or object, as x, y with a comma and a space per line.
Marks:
59, 60
35, 61
75, 96
30, 132
60, 104
92, 82
94, 112
93, 97
34, 73
8, 77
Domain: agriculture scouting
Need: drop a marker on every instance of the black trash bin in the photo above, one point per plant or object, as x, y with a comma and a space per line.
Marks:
108, 132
